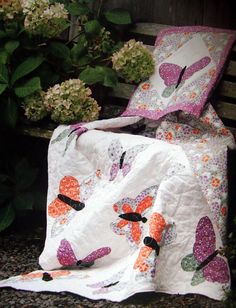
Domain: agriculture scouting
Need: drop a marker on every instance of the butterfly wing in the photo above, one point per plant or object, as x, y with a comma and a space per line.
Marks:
65, 254
157, 225
195, 67
140, 262
88, 185
62, 212
170, 72
115, 151
97, 254
216, 271
130, 156
61, 136
61, 222
169, 234
205, 239
69, 187
114, 171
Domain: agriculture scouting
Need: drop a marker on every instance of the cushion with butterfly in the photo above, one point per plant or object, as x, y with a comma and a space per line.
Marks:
189, 61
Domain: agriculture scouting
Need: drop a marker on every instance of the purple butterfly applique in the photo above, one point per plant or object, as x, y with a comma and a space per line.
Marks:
109, 285
122, 160
204, 260
174, 75
66, 255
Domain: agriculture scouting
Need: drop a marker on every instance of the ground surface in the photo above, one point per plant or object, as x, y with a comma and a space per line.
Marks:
20, 247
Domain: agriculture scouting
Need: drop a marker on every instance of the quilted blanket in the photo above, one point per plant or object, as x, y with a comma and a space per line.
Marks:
132, 213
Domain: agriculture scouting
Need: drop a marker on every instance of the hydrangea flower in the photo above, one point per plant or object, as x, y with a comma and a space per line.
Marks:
44, 19
9, 8
34, 107
133, 62
70, 102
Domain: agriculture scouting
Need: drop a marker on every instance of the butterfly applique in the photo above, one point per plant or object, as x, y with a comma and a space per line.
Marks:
122, 160
109, 285
147, 258
174, 75
66, 255
204, 261
132, 215
70, 200
74, 131
45, 276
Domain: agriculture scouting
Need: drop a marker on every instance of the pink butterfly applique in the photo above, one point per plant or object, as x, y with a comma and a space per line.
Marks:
122, 160
174, 75
132, 215
204, 261
66, 255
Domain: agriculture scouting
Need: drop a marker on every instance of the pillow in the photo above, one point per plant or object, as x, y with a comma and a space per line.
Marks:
189, 61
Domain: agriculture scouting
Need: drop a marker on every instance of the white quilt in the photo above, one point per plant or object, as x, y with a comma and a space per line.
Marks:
130, 213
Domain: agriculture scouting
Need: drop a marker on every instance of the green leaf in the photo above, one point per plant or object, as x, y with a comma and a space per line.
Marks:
25, 175
100, 74
85, 60
110, 77
11, 46
23, 201
7, 215
3, 56
28, 87
76, 9
91, 75
26, 67
2, 87
92, 27
118, 16
79, 48
59, 50
11, 113
3, 73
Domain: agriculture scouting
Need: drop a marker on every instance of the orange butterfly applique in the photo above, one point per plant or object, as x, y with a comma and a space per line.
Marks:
70, 200
146, 261
132, 214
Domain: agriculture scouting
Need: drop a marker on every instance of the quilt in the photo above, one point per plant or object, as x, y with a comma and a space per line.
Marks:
135, 213
138, 203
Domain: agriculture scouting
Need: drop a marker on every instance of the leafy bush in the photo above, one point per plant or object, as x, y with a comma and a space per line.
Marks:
33, 57
16, 180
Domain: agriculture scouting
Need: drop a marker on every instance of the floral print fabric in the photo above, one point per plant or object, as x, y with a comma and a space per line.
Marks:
189, 61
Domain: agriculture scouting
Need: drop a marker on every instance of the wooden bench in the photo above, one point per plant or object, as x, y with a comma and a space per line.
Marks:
223, 98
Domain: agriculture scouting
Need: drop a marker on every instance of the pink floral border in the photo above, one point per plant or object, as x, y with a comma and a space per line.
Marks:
196, 110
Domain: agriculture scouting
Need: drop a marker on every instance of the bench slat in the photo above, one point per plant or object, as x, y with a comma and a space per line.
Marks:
226, 110
228, 89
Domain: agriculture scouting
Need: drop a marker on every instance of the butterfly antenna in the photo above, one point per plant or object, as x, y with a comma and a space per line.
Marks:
180, 77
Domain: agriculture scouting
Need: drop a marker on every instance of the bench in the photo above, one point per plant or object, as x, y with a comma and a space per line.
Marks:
114, 103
